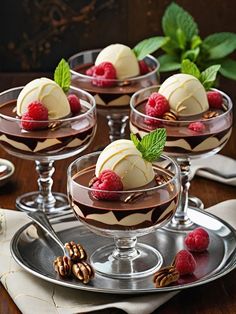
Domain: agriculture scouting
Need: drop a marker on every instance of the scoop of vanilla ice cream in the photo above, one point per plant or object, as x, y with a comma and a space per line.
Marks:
125, 159
122, 58
49, 93
185, 94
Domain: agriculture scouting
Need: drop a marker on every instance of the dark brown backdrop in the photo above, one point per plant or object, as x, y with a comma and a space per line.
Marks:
36, 34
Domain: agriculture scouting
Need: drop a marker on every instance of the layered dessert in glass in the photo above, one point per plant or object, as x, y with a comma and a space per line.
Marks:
112, 75
41, 122
120, 194
198, 122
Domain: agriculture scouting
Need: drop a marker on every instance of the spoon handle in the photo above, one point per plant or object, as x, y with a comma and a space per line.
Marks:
41, 219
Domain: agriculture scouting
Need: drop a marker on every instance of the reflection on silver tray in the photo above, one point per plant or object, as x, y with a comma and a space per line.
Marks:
33, 249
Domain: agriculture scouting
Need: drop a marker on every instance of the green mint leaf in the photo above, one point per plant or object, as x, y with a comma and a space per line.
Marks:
175, 18
148, 46
228, 68
191, 54
62, 75
208, 77
189, 67
181, 38
168, 63
134, 139
171, 48
151, 145
219, 45
195, 41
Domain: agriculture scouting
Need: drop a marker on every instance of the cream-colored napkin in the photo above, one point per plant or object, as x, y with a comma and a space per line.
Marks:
218, 168
34, 295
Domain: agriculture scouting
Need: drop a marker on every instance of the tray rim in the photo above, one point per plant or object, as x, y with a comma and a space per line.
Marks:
79, 286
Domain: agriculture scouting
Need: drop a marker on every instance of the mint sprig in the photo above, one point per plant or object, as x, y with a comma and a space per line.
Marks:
181, 41
207, 77
62, 75
151, 145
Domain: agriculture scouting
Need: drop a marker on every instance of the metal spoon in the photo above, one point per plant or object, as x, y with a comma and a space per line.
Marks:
41, 219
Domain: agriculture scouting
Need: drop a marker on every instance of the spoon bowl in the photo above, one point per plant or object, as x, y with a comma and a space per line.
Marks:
6, 171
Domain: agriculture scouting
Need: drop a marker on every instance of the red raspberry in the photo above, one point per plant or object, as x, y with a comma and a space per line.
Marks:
90, 71
215, 99
185, 262
104, 73
31, 120
143, 67
197, 240
108, 180
156, 105
28, 123
74, 102
197, 126
37, 111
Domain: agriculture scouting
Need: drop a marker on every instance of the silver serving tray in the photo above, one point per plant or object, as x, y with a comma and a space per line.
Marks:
33, 249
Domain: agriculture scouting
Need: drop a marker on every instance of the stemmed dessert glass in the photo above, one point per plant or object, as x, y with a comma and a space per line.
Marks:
61, 138
112, 101
131, 214
183, 143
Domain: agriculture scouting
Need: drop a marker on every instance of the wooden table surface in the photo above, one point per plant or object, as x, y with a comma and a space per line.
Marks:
213, 298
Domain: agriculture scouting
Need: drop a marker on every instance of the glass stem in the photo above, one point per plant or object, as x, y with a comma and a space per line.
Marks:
181, 217
45, 199
117, 124
125, 248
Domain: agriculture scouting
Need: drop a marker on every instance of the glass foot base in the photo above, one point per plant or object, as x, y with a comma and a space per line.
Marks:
144, 263
27, 203
180, 224
195, 202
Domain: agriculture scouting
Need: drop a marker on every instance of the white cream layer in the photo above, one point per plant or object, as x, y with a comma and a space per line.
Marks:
209, 143
42, 145
109, 218
123, 100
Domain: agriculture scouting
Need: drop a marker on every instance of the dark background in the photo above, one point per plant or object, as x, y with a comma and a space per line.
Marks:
36, 34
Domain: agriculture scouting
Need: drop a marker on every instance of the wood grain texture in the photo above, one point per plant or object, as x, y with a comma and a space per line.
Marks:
217, 297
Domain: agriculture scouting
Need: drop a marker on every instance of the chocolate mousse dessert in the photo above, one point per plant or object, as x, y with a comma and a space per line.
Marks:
127, 187
112, 74
196, 121
47, 118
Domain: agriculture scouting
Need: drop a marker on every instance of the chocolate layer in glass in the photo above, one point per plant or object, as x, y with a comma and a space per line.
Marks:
130, 211
181, 139
59, 137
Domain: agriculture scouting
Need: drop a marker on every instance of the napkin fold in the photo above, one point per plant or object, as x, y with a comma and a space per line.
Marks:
218, 168
34, 295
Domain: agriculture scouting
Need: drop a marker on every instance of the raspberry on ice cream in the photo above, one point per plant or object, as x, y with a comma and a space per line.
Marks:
197, 240
184, 262
107, 181
215, 99
37, 111
104, 73
156, 105
74, 102
35, 117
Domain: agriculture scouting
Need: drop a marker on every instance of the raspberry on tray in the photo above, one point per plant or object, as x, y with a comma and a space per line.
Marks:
197, 240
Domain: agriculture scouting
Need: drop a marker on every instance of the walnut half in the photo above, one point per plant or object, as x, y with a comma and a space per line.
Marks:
165, 276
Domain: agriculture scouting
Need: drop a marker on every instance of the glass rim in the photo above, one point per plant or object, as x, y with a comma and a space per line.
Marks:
133, 108
69, 119
130, 79
176, 176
